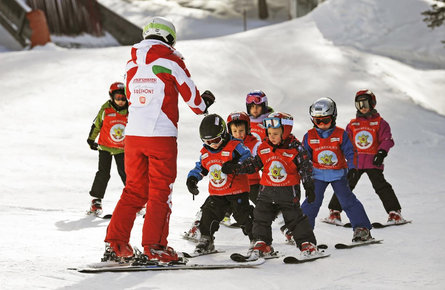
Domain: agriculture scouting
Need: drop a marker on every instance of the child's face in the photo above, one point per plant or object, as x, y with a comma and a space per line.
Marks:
255, 110
239, 131
364, 110
274, 135
120, 99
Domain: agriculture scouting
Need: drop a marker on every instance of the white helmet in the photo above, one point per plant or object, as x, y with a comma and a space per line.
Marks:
160, 28
323, 107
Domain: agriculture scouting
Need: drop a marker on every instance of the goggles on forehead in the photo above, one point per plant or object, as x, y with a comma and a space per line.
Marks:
324, 120
276, 122
255, 99
216, 140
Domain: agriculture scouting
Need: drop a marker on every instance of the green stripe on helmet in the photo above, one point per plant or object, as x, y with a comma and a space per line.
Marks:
160, 26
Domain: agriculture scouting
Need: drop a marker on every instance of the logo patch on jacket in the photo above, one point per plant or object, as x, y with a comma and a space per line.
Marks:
314, 141
204, 156
335, 139
288, 155
265, 151
225, 153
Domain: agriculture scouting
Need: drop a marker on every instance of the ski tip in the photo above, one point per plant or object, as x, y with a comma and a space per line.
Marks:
107, 217
238, 257
322, 246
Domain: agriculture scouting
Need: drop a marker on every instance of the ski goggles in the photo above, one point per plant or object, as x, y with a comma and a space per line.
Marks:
362, 104
256, 99
120, 99
216, 140
276, 122
324, 120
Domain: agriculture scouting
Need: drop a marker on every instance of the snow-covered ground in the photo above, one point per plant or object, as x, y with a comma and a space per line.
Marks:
51, 95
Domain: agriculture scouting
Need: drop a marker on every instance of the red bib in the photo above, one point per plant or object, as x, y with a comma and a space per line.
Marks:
250, 142
112, 133
326, 153
279, 168
221, 183
364, 135
258, 130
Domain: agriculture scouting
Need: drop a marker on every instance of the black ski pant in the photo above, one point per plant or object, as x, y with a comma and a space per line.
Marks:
215, 207
103, 173
286, 199
382, 188
253, 196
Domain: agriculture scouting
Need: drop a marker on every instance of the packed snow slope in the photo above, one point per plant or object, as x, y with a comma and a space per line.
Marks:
51, 95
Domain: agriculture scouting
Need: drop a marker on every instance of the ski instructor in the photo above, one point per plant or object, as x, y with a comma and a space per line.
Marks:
155, 75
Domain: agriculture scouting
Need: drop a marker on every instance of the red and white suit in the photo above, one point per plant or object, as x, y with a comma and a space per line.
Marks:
155, 75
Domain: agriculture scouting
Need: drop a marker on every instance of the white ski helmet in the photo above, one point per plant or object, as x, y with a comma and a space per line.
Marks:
160, 28
323, 107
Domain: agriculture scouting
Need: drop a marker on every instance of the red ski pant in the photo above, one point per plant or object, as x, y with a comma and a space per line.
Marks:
150, 164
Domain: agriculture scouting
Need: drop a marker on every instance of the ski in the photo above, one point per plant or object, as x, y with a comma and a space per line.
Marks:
196, 254
240, 258
357, 244
304, 259
378, 225
339, 224
116, 267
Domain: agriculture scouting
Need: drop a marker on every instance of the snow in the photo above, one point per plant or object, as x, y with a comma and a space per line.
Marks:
51, 95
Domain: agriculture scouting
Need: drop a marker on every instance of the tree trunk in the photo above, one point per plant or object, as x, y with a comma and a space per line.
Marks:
262, 9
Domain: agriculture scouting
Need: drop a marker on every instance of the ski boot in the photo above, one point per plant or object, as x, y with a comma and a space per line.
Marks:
261, 249
361, 235
96, 207
395, 217
288, 235
308, 249
205, 245
162, 254
118, 252
334, 217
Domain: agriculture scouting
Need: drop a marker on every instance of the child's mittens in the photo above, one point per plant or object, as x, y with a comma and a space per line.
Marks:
230, 167
310, 190
208, 99
93, 145
192, 185
378, 158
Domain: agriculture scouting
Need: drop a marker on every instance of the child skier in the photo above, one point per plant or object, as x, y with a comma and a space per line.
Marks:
332, 154
109, 124
226, 191
258, 109
238, 124
285, 163
372, 138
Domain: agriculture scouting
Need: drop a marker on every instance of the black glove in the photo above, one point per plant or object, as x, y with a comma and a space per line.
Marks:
378, 158
310, 191
230, 167
93, 145
352, 175
192, 185
208, 99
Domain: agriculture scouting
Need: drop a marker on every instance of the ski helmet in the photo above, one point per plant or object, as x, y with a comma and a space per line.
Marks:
279, 120
116, 88
365, 99
257, 97
323, 107
160, 28
212, 129
238, 118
